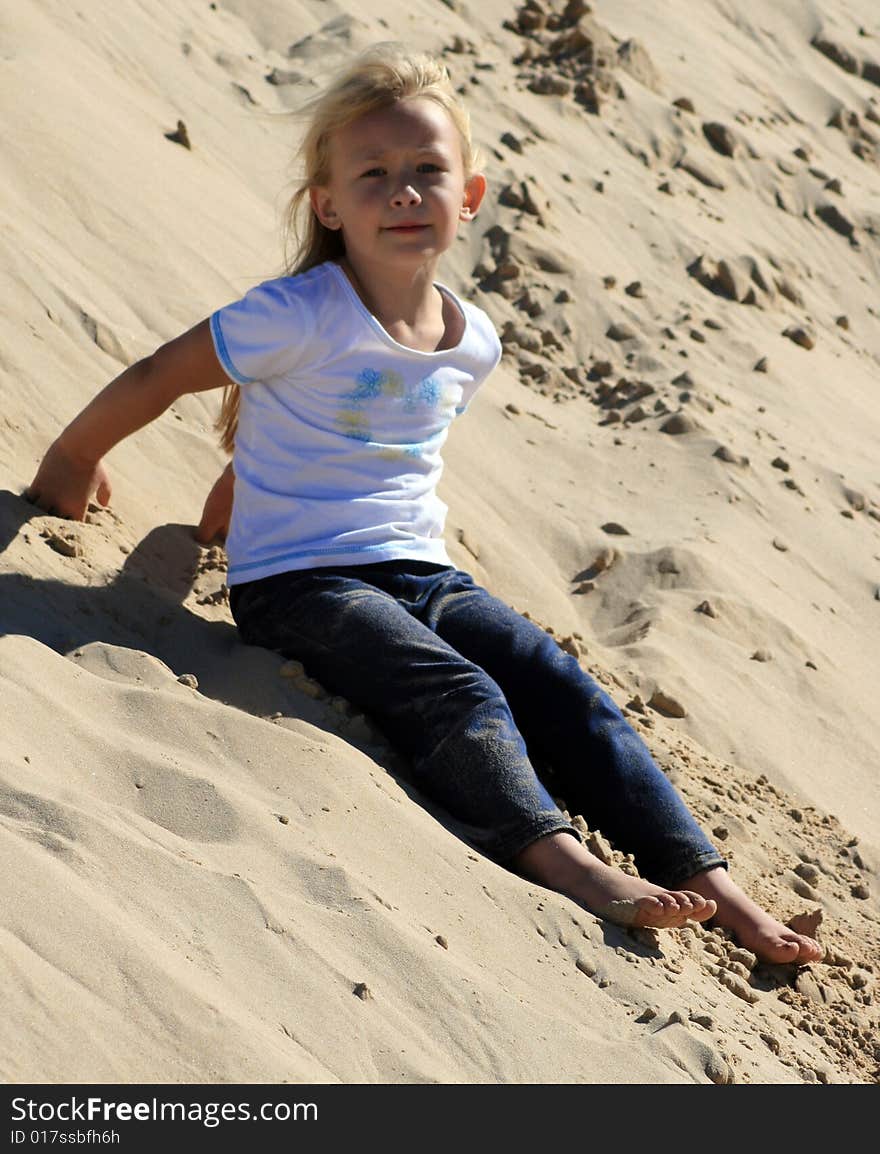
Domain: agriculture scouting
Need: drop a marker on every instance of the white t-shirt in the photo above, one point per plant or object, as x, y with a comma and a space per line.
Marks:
337, 454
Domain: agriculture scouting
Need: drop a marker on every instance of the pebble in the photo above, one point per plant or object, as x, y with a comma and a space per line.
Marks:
744, 957
806, 984
738, 986
808, 872
723, 453
179, 135
802, 889
708, 608
761, 365
441, 941
718, 1071
771, 1042
720, 137
678, 424
666, 704
739, 969
585, 966
762, 655
860, 890
599, 847
189, 679
620, 332
780, 545
66, 546
614, 529
801, 335
806, 923
704, 1020
362, 991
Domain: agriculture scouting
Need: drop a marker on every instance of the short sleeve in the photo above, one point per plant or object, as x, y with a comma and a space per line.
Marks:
263, 334
484, 349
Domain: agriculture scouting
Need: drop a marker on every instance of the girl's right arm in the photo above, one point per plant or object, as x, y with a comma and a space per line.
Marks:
72, 471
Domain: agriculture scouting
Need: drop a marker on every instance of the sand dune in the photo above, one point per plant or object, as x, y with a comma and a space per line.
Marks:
218, 873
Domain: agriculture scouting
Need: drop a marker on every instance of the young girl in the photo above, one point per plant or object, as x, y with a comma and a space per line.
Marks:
345, 377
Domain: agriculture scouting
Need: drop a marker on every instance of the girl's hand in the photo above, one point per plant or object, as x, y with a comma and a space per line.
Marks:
64, 485
218, 509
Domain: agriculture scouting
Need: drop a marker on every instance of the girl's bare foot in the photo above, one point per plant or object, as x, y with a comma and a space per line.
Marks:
559, 862
755, 929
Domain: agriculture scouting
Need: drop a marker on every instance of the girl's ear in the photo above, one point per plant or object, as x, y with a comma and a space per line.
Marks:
474, 191
322, 206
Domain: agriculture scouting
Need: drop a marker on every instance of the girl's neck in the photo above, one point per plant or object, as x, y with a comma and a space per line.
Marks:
409, 307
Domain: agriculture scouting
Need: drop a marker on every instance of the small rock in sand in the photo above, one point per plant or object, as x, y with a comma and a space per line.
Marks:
762, 655
707, 608
362, 991
744, 957
725, 454
801, 335
808, 872
66, 546
678, 424
738, 986
614, 529
599, 847
586, 966
704, 1020
189, 679
666, 704
720, 137
771, 1042
179, 135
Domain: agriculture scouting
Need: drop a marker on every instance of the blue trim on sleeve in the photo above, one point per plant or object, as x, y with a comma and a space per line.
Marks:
223, 352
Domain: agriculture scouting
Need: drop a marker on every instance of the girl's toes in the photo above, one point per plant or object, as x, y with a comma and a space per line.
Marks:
707, 911
784, 950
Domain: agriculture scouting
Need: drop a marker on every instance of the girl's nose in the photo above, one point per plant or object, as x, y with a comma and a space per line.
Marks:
406, 195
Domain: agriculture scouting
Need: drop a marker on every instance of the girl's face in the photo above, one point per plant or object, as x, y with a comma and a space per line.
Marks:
397, 188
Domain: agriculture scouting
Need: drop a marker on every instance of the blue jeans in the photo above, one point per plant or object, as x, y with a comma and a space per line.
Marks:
474, 695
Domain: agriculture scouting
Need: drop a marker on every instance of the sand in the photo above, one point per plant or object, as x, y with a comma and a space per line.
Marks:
217, 873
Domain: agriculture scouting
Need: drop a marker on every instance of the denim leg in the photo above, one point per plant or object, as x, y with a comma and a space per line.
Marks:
605, 770
435, 706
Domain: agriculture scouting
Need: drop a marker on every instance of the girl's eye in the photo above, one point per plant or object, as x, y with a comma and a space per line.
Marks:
429, 166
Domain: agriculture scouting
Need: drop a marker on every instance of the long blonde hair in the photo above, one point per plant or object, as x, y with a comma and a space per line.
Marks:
383, 75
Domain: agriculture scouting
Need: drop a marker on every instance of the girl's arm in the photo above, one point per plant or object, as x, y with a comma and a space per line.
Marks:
218, 509
72, 471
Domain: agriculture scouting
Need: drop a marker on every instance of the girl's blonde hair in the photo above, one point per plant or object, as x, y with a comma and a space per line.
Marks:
379, 77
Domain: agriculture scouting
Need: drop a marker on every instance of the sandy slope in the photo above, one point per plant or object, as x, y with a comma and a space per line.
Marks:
198, 879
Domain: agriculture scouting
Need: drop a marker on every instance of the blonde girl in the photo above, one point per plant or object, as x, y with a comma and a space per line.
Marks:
341, 381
